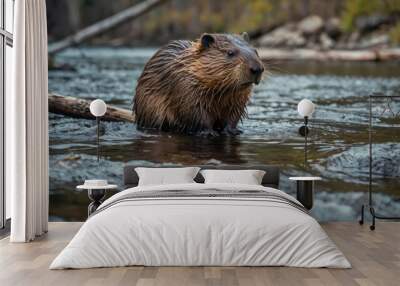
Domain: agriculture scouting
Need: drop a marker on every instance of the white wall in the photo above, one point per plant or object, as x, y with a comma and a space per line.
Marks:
9, 61
9, 25
9, 15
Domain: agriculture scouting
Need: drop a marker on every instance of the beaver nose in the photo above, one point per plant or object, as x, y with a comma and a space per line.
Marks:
257, 70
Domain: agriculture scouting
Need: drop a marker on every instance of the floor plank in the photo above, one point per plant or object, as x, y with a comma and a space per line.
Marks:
375, 257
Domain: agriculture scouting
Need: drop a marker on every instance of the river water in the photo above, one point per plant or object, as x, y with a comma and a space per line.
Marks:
338, 150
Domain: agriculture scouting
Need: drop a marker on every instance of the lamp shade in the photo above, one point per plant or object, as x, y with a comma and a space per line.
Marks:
98, 107
305, 108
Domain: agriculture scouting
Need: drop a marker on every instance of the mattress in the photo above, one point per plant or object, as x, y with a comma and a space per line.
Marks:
201, 225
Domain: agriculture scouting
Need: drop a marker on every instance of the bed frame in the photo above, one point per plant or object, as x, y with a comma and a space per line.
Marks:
270, 179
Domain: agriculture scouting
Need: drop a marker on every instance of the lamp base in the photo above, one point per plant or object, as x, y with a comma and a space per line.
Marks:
304, 130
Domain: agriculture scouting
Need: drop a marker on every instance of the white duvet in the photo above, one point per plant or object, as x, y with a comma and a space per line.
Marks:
200, 231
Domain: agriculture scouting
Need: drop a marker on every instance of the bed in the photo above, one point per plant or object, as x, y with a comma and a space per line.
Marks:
197, 224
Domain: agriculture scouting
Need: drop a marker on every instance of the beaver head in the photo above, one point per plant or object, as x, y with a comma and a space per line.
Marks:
198, 86
228, 57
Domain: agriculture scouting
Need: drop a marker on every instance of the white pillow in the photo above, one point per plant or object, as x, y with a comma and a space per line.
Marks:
166, 176
248, 177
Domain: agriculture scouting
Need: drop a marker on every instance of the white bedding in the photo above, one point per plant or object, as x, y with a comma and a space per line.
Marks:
200, 231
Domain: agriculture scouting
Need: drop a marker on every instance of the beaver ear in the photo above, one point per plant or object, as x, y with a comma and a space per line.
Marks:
245, 37
206, 40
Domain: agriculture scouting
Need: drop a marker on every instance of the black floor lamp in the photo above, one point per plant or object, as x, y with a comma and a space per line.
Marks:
305, 108
386, 109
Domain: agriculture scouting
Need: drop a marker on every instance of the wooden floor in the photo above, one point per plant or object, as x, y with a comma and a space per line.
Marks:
375, 257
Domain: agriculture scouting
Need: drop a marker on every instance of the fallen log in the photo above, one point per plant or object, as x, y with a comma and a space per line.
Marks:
104, 25
79, 108
330, 55
389, 54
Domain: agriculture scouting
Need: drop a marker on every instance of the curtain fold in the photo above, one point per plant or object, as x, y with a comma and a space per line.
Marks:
27, 123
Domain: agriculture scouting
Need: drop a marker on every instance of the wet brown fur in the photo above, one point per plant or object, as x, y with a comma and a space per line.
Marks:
186, 87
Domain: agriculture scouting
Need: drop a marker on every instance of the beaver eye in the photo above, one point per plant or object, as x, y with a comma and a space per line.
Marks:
230, 53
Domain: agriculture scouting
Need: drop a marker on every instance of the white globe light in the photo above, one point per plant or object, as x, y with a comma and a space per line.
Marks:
98, 107
305, 108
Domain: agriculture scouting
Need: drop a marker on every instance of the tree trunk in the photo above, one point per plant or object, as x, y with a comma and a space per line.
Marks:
79, 108
104, 25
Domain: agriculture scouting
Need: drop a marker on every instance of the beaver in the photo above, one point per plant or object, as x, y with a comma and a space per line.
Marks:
202, 85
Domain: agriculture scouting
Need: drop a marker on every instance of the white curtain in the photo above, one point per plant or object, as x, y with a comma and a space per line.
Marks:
27, 124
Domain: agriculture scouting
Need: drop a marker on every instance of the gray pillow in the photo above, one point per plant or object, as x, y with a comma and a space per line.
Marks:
166, 176
247, 177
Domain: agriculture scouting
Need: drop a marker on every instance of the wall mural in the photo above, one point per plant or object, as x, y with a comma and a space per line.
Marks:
214, 100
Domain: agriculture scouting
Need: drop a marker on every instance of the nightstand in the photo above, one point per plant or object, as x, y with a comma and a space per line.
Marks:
96, 194
305, 190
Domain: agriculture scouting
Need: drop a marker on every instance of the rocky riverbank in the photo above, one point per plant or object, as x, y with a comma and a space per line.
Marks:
318, 39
